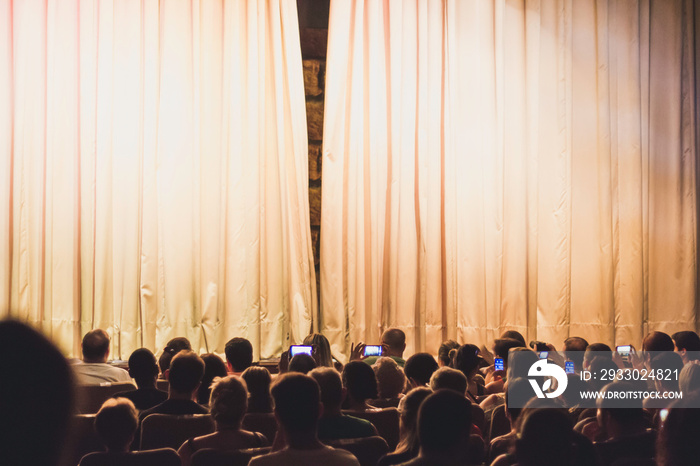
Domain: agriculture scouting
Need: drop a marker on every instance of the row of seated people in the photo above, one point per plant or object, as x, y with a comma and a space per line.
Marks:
605, 437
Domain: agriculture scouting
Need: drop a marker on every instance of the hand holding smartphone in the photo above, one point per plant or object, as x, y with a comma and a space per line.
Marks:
373, 350
300, 349
498, 364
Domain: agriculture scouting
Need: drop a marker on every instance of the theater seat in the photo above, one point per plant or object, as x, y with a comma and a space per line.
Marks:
265, 423
212, 457
367, 450
89, 398
160, 457
386, 421
82, 438
168, 431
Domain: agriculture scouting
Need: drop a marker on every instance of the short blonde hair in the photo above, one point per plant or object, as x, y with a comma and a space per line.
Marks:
390, 378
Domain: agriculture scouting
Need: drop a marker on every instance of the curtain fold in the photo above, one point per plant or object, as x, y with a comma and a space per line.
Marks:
509, 164
154, 167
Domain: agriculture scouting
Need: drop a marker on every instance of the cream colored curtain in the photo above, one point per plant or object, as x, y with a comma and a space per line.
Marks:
509, 164
154, 172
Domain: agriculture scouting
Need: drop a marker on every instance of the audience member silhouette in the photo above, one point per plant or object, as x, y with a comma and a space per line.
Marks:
450, 379
36, 397
678, 440
144, 370
322, 350
258, 381
116, 423
333, 424
444, 358
361, 384
419, 368
173, 347
687, 344
297, 409
444, 426
229, 402
214, 367
391, 382
94, 368
302, 363
185, 375
409, 445
239, 355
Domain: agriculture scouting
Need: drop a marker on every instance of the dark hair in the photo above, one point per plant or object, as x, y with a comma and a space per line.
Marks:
677, 443
360, 381
574, 348
239, 353
258, 379
394, 338
142, 366
633, 412
518, 394
37, 396
514, 335
449, 378
520, 363
420, 367
501, 346
115, 423
213, 367
444, 351
95, 344
597, 366
302, 362
600, 350
687, 340
296, 401
466, 359
666, 360
186, 372
229, 401
546, 438
173, 347
331, 386
408, 407
657, 341
444, 419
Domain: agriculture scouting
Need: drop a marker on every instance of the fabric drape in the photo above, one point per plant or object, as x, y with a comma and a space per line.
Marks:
509, 164
154, 172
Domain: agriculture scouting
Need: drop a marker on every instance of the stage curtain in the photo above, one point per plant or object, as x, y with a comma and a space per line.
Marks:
153, 176
509, 164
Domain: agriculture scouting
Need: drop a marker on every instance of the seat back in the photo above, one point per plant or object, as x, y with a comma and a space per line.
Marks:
82, 438
212, 457
367, 450
169, 431
386, 421
89, 398
265, 423
160, 457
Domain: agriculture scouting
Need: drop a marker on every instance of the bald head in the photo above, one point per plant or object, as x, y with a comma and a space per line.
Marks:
96, 346
395, 341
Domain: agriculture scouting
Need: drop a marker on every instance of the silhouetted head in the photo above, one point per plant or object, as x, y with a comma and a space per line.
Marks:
239, 354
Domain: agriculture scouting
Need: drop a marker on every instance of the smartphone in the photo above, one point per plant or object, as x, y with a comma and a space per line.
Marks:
498, 363
373, 350
300, 349
544, 354
569, 367
624, 351
663, 413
